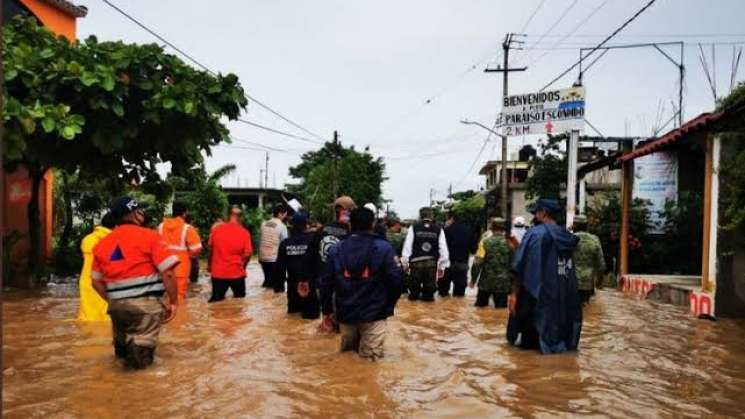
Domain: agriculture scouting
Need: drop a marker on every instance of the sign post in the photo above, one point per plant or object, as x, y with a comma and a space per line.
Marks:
572, 148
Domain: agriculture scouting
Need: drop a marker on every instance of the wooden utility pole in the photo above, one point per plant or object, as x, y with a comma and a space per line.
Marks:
335, 164
505, 70
266, 172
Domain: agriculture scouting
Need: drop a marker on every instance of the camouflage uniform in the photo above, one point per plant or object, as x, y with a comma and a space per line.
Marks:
589, 262
397, 242
491, 270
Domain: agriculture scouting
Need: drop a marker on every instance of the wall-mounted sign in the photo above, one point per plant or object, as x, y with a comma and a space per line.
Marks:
656, 181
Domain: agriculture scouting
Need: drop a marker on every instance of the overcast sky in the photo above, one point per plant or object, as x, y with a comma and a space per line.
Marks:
399, 75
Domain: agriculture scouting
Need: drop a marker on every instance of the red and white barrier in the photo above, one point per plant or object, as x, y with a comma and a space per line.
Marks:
702, 303
636, 285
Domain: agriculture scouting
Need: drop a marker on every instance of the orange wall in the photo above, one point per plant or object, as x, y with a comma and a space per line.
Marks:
14, 214
54, 19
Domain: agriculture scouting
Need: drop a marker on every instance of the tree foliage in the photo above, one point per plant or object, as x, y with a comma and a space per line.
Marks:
335, 170
471, 211
548, 170
106, 110
732, 168
202, 194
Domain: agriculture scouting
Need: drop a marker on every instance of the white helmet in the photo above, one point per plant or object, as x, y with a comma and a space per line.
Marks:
519, 221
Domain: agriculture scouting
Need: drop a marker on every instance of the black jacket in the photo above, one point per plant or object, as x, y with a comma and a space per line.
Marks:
461, 242
293, 261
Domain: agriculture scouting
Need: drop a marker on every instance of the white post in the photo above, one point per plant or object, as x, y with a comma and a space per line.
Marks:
572, 148
583, 196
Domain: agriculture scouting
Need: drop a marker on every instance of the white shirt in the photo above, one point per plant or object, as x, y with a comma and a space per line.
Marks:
442, 263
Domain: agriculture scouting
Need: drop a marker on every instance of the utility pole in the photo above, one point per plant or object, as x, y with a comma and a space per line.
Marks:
431, 197
506, 70
266, 172
335, 165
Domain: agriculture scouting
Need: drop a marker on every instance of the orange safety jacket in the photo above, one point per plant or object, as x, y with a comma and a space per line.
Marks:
130, 261
183, 240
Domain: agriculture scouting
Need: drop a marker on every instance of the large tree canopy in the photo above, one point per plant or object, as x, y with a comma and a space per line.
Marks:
336, 170
106, 109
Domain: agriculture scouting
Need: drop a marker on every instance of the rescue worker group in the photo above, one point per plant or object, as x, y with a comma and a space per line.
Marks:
350, 272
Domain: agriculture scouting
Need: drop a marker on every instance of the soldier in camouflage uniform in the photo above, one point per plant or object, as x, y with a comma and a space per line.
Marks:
396, 236
491, 267
588, 260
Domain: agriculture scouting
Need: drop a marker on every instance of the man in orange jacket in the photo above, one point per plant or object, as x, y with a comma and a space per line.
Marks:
183, 240
132, 270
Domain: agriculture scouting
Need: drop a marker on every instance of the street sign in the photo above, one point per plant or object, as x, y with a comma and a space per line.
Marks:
549, 112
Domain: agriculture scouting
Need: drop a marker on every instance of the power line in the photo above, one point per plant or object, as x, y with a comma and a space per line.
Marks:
575, 29
650, 35
532, 15
207, 69
276, 131
598, 46
556, 23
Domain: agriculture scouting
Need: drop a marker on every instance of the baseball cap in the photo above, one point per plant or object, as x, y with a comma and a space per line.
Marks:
345, 202
549, 205
580, 219
519, 221
125, 205
300, 218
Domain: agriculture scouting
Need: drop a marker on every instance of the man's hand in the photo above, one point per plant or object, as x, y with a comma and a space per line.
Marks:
303, 288
327, 324
512, 303
471, 285
170, 312
440, 273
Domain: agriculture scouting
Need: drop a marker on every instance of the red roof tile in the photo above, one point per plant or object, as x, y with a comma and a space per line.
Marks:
691, 127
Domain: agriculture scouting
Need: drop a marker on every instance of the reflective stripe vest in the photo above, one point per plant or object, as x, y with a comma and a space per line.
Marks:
426, 242
130, 260
183, 240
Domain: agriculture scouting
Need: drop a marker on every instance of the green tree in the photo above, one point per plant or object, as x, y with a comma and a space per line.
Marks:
548, 170
471, 211
335, 170
202, 194
106, 110
732, 170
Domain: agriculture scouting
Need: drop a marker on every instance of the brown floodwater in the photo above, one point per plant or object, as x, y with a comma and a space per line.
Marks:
248, 358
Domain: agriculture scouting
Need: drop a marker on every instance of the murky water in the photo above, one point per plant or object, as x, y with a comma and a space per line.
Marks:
247, 358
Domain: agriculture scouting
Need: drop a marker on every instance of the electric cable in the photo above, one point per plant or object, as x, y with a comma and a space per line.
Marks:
207, 69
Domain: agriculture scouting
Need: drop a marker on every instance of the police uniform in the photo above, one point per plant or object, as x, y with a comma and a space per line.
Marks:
589, 261
491, 271
294, 264
425, 251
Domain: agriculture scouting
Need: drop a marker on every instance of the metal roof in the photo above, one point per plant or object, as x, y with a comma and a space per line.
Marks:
691, 127
68, 7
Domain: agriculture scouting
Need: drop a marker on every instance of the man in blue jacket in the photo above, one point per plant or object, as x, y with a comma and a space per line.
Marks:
545, 312
363, 277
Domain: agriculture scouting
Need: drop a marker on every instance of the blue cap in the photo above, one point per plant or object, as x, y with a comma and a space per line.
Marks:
125, 205
549, 205
300, 218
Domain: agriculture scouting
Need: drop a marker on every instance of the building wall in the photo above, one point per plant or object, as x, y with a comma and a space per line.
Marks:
57, 21
14, 205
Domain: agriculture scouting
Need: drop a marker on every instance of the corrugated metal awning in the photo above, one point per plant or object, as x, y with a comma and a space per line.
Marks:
691, 127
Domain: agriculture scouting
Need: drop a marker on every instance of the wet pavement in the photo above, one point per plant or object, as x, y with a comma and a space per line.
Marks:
248, 358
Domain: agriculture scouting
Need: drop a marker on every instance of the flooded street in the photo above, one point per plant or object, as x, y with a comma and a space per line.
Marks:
249, 358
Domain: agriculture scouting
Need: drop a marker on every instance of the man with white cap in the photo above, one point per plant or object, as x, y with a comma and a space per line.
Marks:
519, 228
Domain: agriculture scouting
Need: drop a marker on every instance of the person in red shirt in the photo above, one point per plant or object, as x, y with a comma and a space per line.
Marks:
132, 270
230, 250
